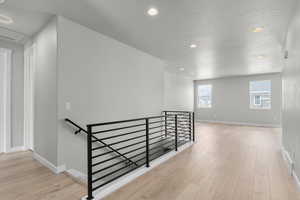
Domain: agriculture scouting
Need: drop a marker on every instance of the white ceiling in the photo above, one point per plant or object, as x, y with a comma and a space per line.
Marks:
26, 22
222, 29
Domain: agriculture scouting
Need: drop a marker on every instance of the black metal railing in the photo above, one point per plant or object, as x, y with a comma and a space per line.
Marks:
139, 141
112, 150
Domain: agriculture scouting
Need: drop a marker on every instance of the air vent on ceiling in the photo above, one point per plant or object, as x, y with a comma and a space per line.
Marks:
10, 35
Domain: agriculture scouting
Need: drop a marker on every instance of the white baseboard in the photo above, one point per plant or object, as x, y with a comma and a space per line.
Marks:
240, 123
290, 164
48, 164
106, 190
16, 149
77, 175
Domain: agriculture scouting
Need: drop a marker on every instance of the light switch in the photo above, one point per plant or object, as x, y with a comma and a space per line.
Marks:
68, 106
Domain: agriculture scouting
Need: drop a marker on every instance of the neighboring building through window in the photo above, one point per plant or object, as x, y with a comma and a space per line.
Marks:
260, 94
204, 96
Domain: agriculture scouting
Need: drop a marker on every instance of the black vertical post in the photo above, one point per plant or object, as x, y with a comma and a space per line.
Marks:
147, 143
193, 126
190, 126
89, 160
166, 121
176, 134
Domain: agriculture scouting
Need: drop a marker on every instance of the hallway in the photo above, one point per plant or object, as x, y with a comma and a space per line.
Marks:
226, 163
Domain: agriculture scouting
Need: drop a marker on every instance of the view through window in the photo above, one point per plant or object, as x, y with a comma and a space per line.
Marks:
260, 94
204, 96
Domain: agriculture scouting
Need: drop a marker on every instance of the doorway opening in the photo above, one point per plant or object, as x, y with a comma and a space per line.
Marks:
5, 100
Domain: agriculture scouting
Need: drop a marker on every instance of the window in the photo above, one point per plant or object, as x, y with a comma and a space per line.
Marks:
257, 100
260, 94
204, 96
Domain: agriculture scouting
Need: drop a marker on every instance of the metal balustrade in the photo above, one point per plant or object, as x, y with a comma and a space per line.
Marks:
117, 148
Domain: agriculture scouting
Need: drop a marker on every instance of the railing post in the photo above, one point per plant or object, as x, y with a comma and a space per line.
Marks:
176, 134
89, 161
147, 143
193, 126
190, 126
166, 120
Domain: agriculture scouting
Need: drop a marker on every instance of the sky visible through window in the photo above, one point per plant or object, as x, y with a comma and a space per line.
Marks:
204, 96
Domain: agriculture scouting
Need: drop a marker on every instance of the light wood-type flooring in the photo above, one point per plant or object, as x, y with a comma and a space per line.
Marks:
226, 163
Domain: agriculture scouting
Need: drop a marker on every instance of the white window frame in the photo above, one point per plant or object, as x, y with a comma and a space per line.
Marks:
254, 103
198, 96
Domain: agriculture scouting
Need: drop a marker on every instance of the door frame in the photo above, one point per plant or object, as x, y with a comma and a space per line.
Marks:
5, 124
29, 71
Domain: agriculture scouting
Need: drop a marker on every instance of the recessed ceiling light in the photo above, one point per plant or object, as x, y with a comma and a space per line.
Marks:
152, 11
193, 46
5, 19
258, 29
181, 69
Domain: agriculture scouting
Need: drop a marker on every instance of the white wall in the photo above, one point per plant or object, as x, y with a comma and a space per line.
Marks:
17, 93
230, 101
291, 93
178, 92
45, 97
103, 80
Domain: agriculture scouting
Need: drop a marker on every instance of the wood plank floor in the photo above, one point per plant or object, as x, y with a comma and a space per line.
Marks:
226, 163
22, 178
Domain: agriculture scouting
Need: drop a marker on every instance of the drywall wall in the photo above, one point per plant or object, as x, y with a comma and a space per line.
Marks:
291, 93
230, 101
178, 92
101, 80
45, 97
17, 93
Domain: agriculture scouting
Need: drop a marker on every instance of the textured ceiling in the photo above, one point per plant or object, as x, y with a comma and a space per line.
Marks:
222, 29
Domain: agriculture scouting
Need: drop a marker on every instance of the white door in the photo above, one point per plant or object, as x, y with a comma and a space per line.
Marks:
5, 100
29, 66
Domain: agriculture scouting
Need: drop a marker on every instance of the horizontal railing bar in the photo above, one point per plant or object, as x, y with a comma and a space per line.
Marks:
157, 132
114, 136
163, 143
133, 138
108, 174
129, 170
162, 140
175, 111
97, 148
156, 137
98, 163
120, 162
125, 121
150, 128
116, 129
132, 156
156, 122
99, 186
111, 173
